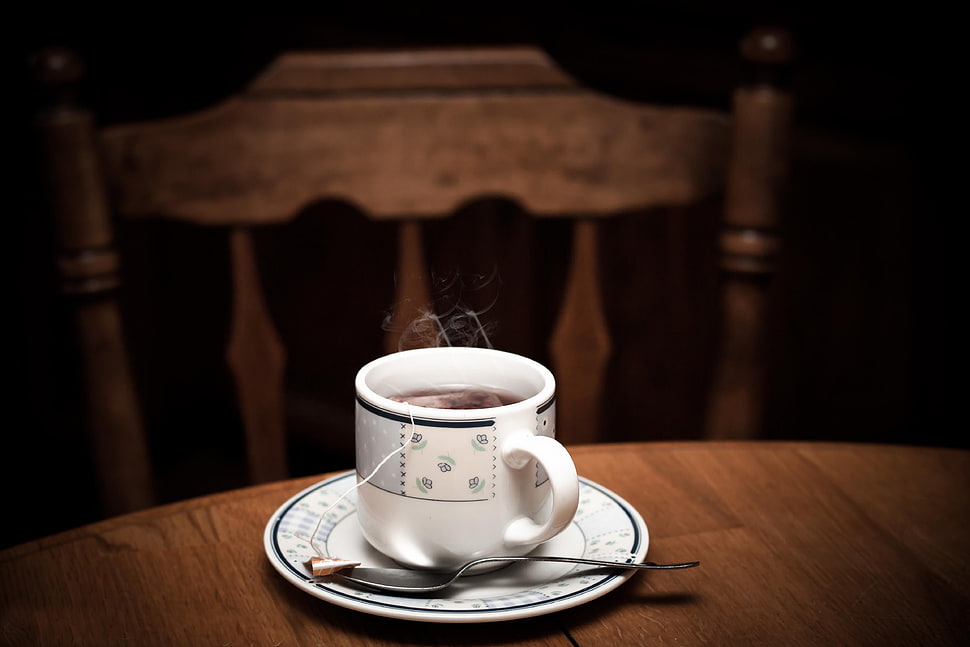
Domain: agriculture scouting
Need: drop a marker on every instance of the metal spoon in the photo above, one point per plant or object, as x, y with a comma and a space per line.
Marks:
402, 580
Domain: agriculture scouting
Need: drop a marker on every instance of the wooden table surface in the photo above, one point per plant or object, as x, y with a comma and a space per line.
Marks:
799, 543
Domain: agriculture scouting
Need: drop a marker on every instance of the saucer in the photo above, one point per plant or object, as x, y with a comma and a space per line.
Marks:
605, 527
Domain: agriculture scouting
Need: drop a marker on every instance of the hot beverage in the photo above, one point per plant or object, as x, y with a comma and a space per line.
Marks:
459, 397
457, 457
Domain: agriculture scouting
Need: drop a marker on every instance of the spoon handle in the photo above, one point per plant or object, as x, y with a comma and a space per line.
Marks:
407, 581
580, 560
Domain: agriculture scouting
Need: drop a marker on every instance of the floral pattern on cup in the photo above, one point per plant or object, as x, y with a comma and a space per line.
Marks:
433, 462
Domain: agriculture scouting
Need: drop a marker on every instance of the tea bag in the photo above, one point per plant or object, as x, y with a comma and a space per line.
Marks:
328, 565
458, 399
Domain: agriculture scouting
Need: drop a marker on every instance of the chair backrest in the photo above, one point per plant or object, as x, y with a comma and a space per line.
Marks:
407, 138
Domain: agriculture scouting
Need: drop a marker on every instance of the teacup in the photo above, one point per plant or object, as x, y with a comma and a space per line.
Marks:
448, 485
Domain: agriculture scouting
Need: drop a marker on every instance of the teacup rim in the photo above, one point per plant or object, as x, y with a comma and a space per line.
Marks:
540, 399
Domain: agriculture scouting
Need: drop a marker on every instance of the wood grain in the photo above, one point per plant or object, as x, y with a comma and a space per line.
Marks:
799, 543
267, 158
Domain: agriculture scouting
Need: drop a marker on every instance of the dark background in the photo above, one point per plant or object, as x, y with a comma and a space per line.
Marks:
859, 343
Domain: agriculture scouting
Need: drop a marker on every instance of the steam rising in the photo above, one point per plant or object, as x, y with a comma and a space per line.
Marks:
451, 322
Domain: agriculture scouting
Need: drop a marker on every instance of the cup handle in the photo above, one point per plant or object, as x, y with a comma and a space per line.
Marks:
518, 452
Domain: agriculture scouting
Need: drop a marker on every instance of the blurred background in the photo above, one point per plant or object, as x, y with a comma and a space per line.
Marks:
857, 351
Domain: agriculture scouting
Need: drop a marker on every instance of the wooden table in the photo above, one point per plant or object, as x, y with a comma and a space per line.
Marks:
799, 543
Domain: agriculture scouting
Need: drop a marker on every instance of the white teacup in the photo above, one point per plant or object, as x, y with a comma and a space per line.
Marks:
449, 485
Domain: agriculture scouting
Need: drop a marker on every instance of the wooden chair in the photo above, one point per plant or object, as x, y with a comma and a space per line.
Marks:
408, 137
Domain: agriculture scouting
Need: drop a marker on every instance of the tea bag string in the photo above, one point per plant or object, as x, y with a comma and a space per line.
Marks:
397, 450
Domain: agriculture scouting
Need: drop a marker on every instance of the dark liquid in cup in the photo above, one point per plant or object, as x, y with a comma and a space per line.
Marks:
458, 397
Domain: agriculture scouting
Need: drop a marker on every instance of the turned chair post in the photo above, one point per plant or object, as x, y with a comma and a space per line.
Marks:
757, 182
88, 266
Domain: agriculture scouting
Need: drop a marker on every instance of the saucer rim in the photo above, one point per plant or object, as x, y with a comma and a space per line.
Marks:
379, 608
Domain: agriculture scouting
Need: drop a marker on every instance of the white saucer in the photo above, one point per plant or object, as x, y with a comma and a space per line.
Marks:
605, 527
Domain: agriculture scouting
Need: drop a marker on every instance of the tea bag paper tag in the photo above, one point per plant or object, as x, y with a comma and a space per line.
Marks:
328, 565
